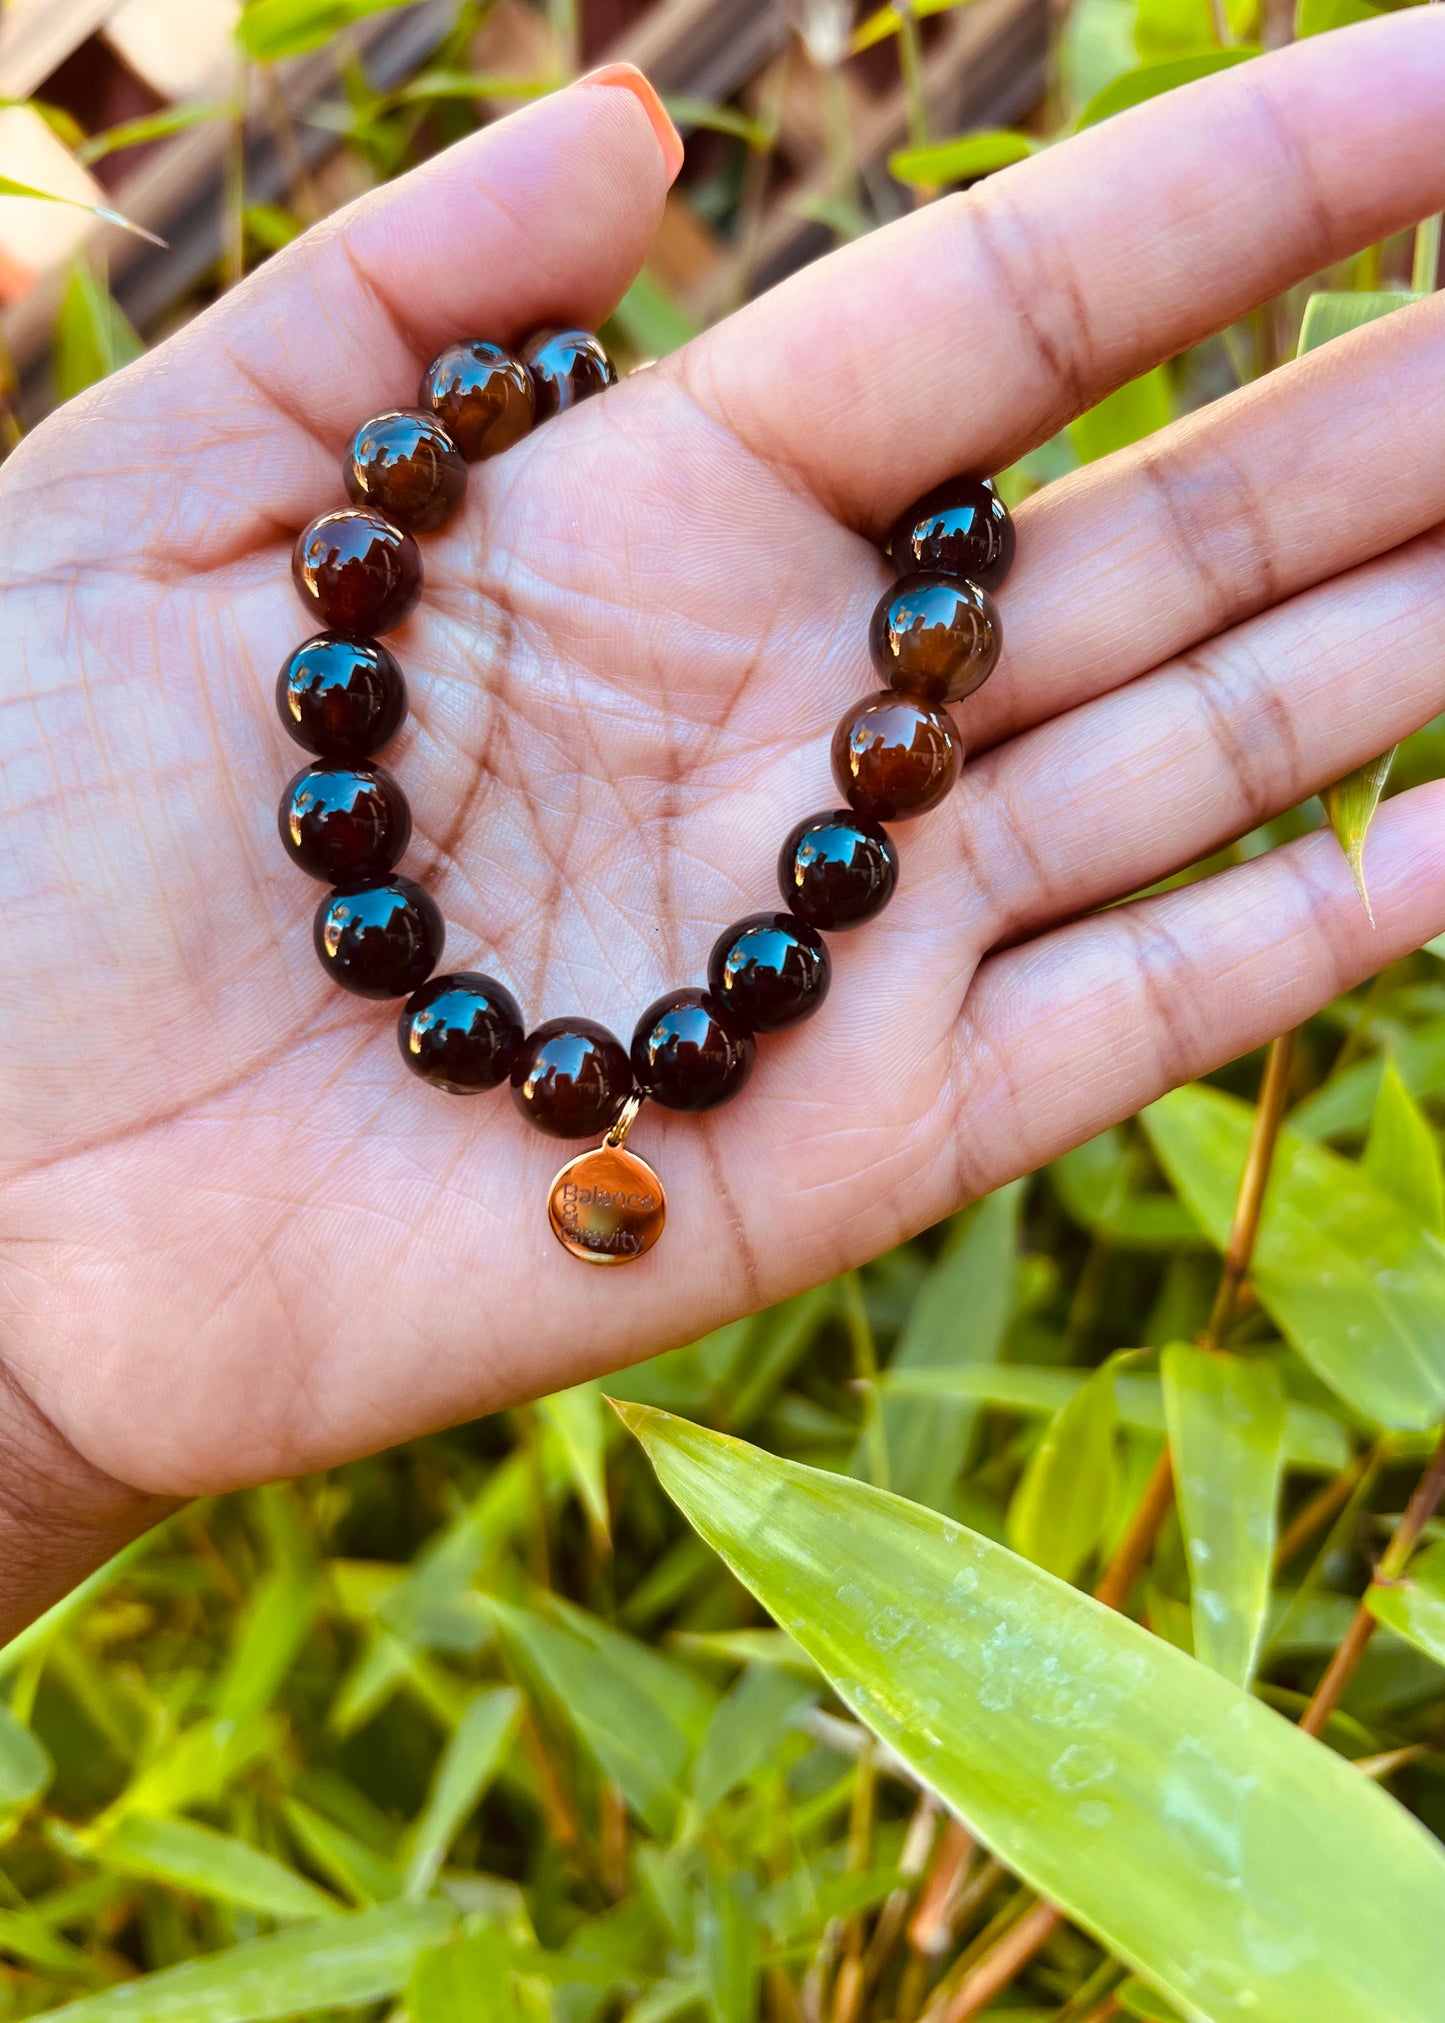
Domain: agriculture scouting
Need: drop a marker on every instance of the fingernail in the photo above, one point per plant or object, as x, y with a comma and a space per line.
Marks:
630, 78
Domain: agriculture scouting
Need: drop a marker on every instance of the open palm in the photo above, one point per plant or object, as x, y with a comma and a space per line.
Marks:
238, 1239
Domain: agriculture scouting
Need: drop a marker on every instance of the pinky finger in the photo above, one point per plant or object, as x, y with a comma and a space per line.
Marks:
1063, 1036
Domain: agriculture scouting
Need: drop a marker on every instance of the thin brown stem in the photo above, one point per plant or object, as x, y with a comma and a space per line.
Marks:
1116, 1584
998, 1967
1393, 1561
1323, 1507
1249, 1203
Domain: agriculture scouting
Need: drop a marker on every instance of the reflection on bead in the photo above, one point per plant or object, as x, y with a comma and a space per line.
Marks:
380, 939
461, 1032
571, 1078
688, 1053
566, 366
408, 467
342, 698
935, 636
894, 756
962, 528
837, 869
482, 396
341, 823
769, 971
356, 571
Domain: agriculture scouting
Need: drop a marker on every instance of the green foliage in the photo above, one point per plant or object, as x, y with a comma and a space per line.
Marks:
92, 337
1056, 1728
959, 161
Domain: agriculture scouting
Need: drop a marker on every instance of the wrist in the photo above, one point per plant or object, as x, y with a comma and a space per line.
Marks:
60, 1516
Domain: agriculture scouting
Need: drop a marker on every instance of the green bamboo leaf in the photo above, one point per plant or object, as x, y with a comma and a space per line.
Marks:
194, 1768
1330, 313
1150, 80
1313, 1441
1137, 2000
1191, 1830
358, 1871
1346, 1102
652, 319
469, 1762
206, 1863
1402, 1153
1062, 1503
1414, 1605
92, 336
154, 126
745, 1732
1226, 1435
687, 112
575, 1419
1318, 17
887, 21
959, 1317
728, 1945
25, 1765
270, 29
271, 1632
366, 1956
10, 188
467, 1980
1355, 1282
30, 1939
960, 160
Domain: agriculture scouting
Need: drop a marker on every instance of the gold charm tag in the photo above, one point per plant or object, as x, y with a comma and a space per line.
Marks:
608, 1207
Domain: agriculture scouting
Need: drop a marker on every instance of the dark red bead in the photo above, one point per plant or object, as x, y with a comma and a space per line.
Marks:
461, 1032
837, 869
482, 396
688, 1053
566, 366
769, 971
380, 939
408, 467
935, 636
962, 528
572, 1078
341, 823
894, 757
343, 698
357, 572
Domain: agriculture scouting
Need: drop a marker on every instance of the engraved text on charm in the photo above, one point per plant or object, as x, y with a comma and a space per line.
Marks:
607, 1207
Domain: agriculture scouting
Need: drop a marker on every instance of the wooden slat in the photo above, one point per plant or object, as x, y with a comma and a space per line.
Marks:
36, 36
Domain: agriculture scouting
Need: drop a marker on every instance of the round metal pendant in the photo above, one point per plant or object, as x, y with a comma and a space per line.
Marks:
607, 1207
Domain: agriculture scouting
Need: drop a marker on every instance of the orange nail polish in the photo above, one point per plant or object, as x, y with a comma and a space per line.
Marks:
630, 78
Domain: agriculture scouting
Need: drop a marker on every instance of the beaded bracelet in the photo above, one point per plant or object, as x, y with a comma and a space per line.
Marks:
934, 638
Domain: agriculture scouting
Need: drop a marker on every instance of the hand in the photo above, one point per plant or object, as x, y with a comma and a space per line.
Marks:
239, 1240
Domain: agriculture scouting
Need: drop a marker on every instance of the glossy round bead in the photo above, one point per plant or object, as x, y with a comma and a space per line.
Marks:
461, 1032
341, 823
769, 971
894, 756
934, 636
381, 939
571, 1078
837, 869
482, 396
688, 1053
342, 698
408, 467
961, 528
566, 366
357, 572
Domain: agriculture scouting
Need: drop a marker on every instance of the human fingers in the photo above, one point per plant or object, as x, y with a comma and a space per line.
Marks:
1128, 788
973, 329
541, 218
1064, 1035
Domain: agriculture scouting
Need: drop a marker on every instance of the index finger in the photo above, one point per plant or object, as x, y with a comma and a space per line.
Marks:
972, 330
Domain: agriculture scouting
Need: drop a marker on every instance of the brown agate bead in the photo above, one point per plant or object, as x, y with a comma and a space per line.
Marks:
962, 528
894, 757
571, 1078
357, 572
344, 822
837, 869
379, 939
461, 1032
341, 698
408, 467
935, 636
566, 366
688, 1054
482, 396
769, 970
